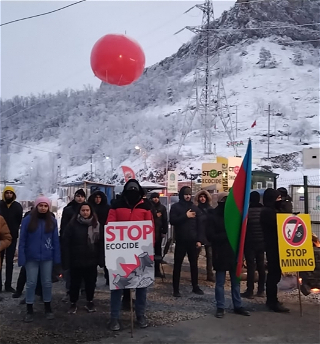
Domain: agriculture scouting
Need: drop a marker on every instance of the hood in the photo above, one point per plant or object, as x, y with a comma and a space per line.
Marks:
181, 192
254, 198
202, 192
269, 197
222, 195
132, 182
9, 188
104, 199
283, 192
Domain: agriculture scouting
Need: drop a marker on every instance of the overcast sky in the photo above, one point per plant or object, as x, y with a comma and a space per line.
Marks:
52, 52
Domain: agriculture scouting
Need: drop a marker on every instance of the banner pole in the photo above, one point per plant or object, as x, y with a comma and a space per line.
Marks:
131, 311
300, 303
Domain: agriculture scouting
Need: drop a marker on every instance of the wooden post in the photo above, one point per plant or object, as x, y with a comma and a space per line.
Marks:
300, 303
131, 311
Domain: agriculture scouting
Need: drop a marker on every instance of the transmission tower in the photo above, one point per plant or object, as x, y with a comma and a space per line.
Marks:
211, 101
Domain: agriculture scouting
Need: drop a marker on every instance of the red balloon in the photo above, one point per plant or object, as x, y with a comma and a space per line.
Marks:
117, 60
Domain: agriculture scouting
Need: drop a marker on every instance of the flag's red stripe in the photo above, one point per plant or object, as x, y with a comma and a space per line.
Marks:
239, 188
241, 246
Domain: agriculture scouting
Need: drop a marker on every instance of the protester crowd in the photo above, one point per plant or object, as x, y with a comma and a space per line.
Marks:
78, 248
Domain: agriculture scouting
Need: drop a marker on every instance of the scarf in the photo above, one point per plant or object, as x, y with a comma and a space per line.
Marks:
93, 232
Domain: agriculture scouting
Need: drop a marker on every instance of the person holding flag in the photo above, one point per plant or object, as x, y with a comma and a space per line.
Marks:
226, 230
223, 258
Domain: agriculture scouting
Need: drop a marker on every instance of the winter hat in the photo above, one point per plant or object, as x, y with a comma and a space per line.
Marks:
80, 192
154, 195
187, 191
221, 195
42, 199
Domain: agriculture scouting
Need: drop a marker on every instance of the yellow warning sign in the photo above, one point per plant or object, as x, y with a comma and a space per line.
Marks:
295, 243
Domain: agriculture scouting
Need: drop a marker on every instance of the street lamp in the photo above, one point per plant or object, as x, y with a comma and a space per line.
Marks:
144, 154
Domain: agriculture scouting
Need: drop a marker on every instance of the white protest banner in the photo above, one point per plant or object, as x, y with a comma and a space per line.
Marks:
172, 186
129, 253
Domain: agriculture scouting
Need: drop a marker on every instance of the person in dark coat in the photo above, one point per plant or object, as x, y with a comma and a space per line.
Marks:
83, 251
99, 202
132, 206
223, 258
203, 201
186, 219
12, 212
254, 247
286, 201
160, 218
69, 211
268, 219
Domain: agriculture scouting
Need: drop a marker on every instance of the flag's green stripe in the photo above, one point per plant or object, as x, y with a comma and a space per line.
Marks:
233, 218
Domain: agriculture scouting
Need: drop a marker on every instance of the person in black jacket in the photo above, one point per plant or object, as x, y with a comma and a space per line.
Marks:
286, 201
254, 247
186, 219
160, 217
203, 201
68, 213
223, 258
12, 212
82, 246
99, 202
268, 220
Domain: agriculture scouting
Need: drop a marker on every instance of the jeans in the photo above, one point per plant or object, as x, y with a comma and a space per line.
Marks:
10, 251
181, 249
140, 304
22, 279
255, 260
77, 275
235, 289
32, 269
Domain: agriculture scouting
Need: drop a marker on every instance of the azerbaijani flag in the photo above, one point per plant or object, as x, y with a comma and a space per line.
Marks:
236, 209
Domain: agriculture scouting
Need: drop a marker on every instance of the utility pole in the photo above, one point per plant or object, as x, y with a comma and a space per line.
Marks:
207, 101
269, 114
236, 120
91, 167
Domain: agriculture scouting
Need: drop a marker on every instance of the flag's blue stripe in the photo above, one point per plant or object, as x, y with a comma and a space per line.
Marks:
247, 165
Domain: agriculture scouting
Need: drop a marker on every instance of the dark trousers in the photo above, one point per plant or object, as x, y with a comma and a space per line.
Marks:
209, 266
157, 252
255, 260
22, 279
181, 249
273, 278
89, 275
9, 253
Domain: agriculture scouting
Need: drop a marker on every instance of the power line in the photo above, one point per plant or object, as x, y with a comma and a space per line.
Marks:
42, 14
253, 28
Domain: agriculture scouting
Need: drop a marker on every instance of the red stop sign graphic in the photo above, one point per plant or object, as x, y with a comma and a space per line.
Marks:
236, 169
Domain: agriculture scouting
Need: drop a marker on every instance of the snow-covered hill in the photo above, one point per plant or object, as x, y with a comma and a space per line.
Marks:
53, 139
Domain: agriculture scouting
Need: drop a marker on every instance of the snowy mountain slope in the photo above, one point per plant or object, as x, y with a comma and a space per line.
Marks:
76, 126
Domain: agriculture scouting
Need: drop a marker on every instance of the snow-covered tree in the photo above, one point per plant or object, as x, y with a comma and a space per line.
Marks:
297, 58
264, 57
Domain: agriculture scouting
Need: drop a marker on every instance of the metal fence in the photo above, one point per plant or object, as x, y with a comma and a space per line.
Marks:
305, 193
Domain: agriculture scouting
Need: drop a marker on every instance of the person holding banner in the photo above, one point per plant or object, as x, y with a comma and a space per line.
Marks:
82, 247
272, 205
186, 219
130, 207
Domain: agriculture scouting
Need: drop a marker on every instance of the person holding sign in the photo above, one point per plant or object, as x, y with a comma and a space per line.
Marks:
82, 247
268, 219
131, 206
187, 222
